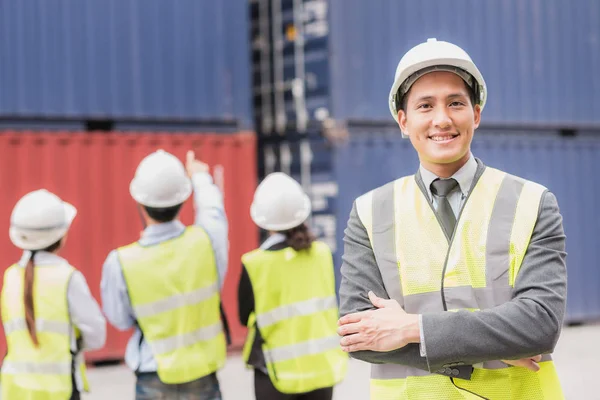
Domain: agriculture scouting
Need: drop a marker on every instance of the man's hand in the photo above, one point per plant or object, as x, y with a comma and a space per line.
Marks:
192, 165
385, 329
529, 363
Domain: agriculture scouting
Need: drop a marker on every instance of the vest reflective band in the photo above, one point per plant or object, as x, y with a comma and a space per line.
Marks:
44, 372
174, 292
296, 312
478, 269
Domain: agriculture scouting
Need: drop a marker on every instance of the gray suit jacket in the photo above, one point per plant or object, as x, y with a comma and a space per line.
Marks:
526, 326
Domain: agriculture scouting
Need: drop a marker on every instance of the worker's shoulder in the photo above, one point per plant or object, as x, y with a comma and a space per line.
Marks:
321, 247
68, 267
195, 232
380, 195
383, 189
531, 185
64, 271
125, 247
191, 232
251, 255
194, 229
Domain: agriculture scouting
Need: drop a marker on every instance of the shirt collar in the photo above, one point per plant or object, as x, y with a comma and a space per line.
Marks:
272, 240
42, 258
174, 228
464, 176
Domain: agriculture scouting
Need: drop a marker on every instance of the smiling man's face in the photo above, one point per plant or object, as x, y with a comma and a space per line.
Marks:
440, 121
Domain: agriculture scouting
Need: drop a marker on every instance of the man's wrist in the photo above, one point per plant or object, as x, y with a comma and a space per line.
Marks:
413, 329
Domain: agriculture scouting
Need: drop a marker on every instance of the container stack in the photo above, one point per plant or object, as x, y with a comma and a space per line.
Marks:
322, 70
90, 88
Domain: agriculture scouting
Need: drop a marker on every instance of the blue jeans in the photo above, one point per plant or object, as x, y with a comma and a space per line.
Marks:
149, 387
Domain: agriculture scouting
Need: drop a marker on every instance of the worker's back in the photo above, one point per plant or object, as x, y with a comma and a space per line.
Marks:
296, 313
174, 291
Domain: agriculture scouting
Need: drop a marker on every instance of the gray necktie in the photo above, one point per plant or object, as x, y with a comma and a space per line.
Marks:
442, 189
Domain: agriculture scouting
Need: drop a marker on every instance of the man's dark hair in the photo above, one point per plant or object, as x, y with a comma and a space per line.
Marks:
166, 214
401, 100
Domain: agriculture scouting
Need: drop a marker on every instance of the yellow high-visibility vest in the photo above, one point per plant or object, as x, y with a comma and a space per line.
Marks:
174, 291
296, 312
44, 372
479, 267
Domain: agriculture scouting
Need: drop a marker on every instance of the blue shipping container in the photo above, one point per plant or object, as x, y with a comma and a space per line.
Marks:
184, 60
314, 169
289, 41
566, 165
540, 58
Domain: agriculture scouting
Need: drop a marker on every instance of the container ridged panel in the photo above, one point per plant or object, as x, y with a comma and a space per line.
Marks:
93, 171
125, 59
539, 58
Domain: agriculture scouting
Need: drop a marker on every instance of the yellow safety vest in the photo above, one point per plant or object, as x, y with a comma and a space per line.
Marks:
44, 372
478, 269
174, 291
296, 313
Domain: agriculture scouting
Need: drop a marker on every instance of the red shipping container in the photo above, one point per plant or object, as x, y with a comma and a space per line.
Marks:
93, 171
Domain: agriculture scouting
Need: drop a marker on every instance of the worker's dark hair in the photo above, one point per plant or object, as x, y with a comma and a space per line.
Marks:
29, 278
402, 100
166, 214
299, 238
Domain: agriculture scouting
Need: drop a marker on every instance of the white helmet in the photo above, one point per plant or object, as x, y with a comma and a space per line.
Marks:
435, 56
279, 203
160, 181
39, 220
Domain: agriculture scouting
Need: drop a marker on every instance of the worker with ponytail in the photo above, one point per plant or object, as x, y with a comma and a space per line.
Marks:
287, 299
48, 313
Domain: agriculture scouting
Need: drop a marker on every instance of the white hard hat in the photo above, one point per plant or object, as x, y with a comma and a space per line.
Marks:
435, 56
39, 220
160, 181
279, 203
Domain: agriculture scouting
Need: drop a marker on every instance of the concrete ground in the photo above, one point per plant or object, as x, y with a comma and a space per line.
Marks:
576, 357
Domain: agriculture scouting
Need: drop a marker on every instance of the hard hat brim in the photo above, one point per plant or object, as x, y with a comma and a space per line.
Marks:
179, 198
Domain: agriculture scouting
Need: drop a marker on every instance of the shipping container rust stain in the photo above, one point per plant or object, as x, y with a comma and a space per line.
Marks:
93, 172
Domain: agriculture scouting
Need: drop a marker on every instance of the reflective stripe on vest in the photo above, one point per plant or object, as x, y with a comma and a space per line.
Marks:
41, 325
479, 267
174, 292
56, 368
173, 343
176, 301
43, 372
306, 307
296, 313
302, 349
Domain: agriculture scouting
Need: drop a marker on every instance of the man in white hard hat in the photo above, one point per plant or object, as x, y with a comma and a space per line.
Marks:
166, 285
453, 279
